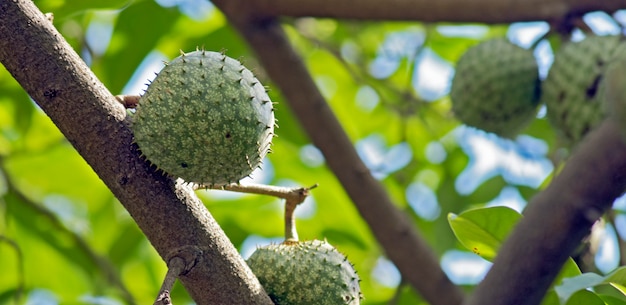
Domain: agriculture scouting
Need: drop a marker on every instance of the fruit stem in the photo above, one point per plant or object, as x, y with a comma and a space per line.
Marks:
291, 234
289, 193
293, 197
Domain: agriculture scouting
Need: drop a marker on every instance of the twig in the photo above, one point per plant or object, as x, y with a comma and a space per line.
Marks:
175, 267
293, 197
289, 193
179, 262
163, 298
128, 101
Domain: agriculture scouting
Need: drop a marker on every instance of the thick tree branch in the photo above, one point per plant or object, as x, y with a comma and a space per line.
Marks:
556, 220
169, 213
394, 231
485, 11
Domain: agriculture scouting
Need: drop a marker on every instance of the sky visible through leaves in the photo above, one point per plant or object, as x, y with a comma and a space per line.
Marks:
523, 162
459, 163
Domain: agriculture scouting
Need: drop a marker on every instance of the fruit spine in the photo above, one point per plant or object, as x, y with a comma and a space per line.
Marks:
205, 118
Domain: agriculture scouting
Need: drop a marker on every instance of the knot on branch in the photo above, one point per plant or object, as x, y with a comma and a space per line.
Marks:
181, 260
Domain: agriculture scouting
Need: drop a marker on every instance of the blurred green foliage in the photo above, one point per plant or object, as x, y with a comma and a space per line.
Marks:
65, 238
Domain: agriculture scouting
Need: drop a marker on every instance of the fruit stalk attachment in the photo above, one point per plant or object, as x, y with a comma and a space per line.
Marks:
293, 196
180, 262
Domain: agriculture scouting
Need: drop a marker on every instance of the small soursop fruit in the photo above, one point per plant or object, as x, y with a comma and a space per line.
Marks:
573, 91
205, 118
496, 87
306, 273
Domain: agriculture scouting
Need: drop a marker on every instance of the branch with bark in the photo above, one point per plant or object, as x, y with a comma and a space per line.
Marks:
179, 226
538, 247
169, 213
556, 221
483, 11
391, 227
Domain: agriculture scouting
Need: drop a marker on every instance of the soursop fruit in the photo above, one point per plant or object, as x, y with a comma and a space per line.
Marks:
306, 273
205, 118
496, 87
615, 91
574, 90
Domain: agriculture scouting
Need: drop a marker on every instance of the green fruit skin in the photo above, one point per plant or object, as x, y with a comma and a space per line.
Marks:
205, 118
306, 273
615, 91
574, 90
496, 87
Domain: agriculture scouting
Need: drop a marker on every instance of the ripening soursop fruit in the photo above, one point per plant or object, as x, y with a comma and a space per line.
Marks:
205, 118
573, 91
306, 273
496, 87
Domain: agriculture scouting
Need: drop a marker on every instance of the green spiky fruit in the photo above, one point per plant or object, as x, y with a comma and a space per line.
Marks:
615, 91
306, 273
573, 91
496, 87
205, 118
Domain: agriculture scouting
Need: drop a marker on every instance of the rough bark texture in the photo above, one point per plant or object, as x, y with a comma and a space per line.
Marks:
556, 221
484, 11
172, 217
177, 223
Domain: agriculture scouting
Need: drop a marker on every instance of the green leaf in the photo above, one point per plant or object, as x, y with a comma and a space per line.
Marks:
569, 269
585, 297
610, 291
611, 300
550, 298
570, 286
483, 230
618, 276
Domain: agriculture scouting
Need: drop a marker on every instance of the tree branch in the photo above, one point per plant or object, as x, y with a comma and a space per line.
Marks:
556, 221
485, 11
393, 230
169, 213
